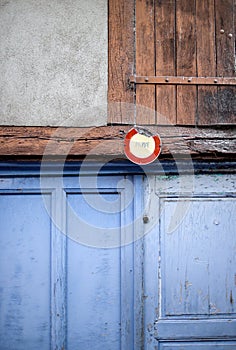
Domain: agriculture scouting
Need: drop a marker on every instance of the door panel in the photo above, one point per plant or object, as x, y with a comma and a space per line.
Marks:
60, 288
24, 272
199, 258
194, 257
93, 297
231, 345
94, 275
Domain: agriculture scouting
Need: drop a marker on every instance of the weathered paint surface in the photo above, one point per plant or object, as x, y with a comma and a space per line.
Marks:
53, 62
173, 288
24, 272
57, 292
191, 250
211, 345
199, 279
93, 285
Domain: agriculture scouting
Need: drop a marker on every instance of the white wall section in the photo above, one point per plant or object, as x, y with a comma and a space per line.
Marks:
53, 62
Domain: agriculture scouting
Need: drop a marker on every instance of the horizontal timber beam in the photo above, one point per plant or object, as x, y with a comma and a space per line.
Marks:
108, 141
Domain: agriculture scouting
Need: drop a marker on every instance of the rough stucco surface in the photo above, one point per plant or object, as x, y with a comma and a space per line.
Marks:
53, 62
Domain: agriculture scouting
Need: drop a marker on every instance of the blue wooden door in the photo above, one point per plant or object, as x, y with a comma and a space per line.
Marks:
190, 263
81, 269
67, 274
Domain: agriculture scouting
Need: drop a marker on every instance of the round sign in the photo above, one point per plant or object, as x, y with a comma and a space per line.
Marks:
141, 147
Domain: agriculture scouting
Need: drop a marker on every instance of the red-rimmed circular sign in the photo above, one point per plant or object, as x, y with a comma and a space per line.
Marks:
141, 147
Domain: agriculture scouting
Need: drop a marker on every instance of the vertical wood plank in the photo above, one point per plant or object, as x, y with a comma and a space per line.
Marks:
165, 60
58, 271
120, 61
151, 262
145, 61
186, 60
225, 46
127, 272
225, 43
206, 60
138, 263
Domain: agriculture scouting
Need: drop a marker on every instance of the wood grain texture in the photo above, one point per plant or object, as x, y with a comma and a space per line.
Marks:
195, 219
165, 60
186, 60
173, 38
145, 61
206, 61
207, 272
56, 279
75, 143
226, 96
224, 10
25, 262
121, 61
58, 271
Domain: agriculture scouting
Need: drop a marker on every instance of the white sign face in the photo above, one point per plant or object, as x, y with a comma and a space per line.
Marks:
142, 146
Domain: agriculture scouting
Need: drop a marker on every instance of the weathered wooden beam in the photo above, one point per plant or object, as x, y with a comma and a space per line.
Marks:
109, 141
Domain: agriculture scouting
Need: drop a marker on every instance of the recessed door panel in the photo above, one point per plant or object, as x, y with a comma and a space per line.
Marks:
199, 258
93, 276
191, 249
25, 237
231, 345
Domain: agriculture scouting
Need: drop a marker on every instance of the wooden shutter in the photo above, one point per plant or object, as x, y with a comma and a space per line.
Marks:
178, 42
121, 61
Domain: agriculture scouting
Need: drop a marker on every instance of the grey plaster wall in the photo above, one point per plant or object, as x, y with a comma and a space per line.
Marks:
53, 62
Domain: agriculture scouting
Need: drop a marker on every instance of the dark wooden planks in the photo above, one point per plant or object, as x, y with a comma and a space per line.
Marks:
206, 60
121, 61
145, 61
165, 60
186, 60
174, 37
225, 46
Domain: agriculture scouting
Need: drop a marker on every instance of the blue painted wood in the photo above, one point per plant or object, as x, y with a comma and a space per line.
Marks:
127, 267
24, 271
86, 300
93, 282
123, 297
58, 270
138, 264
198, 265
99, 277
194, 260
180, 329
151, 271
231, 345
160, 167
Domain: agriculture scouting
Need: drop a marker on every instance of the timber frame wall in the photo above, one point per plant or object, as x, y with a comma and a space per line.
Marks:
131, 54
